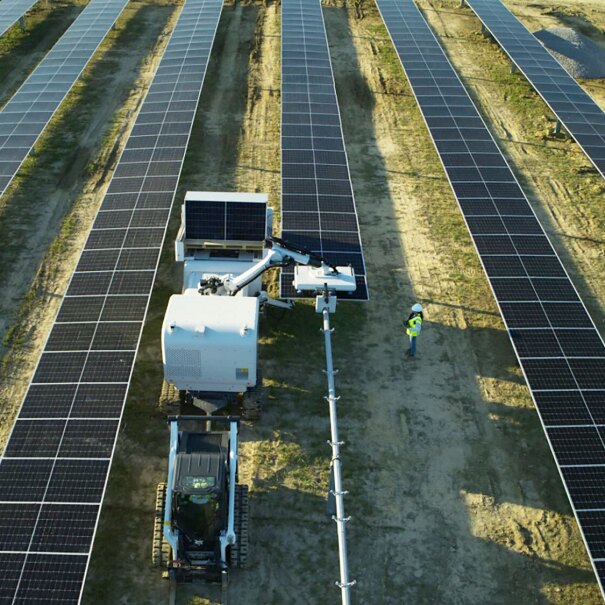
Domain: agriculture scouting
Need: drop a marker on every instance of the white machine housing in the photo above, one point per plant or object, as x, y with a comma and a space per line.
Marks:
209, 343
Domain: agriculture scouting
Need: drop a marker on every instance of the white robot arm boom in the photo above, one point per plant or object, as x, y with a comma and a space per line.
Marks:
280, 255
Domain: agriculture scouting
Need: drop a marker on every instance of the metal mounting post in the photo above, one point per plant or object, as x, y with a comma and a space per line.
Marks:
558, 127
22, 23
513, 68
462, 4
337, 492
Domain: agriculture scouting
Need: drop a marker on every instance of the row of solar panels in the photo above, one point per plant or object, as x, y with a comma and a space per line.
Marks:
56, 464
318, 208
28, 112
558, 346
573, 106
12, 11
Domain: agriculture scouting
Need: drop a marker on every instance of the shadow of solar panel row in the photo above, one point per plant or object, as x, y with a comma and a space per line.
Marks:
56, 463
574, 107
11, 11
28, 112
318, 208
558, 346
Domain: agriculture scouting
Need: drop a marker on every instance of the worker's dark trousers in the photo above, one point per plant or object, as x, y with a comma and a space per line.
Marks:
412, 350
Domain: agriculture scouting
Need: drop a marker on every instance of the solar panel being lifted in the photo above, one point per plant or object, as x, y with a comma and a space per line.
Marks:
573, 106
560, 351
11, 11
318, 208
55, 467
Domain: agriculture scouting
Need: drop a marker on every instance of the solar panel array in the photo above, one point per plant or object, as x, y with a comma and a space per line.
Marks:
55, 466
11, 11
26, 115
318, 208
558, 346
575, 109
242, 221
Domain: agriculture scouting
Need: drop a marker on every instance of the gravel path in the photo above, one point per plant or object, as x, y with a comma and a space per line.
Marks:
579, 55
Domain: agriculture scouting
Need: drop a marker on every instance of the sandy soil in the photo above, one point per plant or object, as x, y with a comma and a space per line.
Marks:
454, 495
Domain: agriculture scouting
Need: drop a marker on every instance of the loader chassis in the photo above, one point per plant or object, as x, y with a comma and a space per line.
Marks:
194, 507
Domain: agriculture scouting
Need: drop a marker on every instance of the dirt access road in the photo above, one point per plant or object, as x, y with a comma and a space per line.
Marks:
454, 495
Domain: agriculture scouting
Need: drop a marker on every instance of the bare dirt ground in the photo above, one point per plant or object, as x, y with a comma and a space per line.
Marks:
454, 494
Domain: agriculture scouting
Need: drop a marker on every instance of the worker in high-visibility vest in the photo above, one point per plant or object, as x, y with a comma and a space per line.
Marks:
413, 327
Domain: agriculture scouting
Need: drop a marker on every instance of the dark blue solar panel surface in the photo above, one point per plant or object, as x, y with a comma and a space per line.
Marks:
241, 221
581, 116
318, 208
28, 112
55, 467
11, 11
558, 346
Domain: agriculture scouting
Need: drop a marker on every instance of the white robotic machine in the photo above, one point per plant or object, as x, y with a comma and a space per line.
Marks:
210, 331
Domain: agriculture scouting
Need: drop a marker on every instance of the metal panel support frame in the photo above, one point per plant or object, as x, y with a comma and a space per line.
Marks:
336, 466
22, 23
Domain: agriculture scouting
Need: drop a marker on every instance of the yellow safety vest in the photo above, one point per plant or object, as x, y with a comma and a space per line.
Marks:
414, 326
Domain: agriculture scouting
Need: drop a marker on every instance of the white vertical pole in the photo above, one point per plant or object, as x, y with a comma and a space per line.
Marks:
341, 520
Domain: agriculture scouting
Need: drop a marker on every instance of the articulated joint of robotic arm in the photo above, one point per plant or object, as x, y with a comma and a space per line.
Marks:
295, 255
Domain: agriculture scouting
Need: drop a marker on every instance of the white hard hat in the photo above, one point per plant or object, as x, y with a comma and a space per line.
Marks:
417, 308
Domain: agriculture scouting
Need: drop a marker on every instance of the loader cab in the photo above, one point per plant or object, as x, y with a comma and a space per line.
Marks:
199, 506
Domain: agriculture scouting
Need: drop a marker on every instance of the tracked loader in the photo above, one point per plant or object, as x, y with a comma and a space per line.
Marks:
201, 524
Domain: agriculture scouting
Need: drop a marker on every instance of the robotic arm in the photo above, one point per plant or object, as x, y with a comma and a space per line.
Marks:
281, 254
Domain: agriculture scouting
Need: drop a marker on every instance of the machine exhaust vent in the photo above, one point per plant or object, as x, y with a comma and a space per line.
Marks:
185, 362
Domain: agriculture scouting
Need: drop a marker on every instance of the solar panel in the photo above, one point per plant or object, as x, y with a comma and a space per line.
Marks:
56, 463
559, 349
318, 208
573, 106
11, 11
234, 220
31, 108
